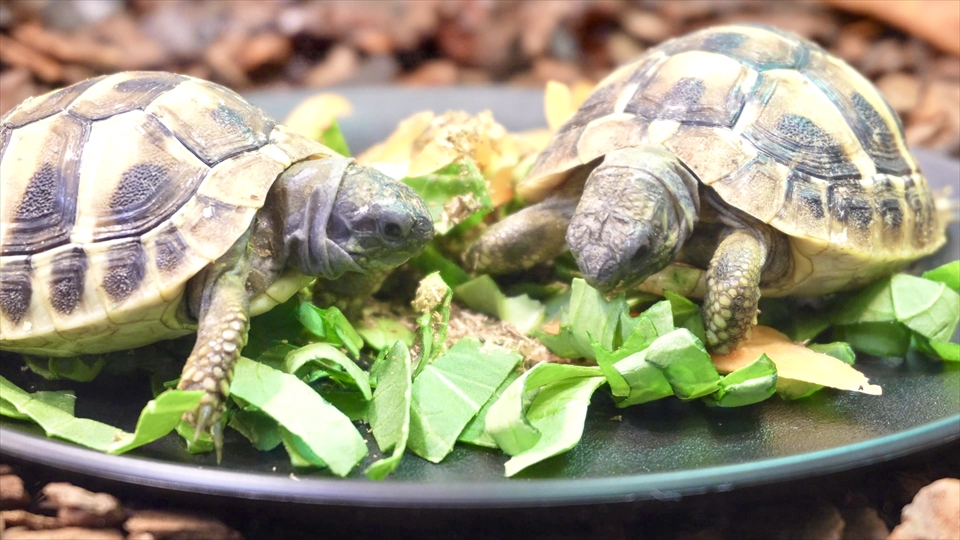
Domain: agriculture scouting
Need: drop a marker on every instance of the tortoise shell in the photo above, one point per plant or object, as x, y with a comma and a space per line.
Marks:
116, 191
781, 130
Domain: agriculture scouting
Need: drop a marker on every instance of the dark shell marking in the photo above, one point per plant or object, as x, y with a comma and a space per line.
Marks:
16, 289
135, 91
67, 279
170, 248
48, 105
126, 268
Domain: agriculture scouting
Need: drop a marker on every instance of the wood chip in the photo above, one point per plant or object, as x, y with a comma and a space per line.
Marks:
264, 49
12, 492
161, 525
22, 518
68, 533
902, 91
431, 73
77, 506
17, 54
75, 49
339, 65
933, 514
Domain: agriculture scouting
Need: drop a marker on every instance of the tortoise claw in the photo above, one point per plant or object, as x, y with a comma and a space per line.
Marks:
203, 420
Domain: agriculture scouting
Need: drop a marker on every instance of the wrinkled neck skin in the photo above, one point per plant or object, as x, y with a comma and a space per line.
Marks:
638, 208
306, 193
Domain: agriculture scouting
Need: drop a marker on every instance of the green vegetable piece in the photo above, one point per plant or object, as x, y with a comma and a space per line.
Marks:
646, 382
261, 430
299, 453
461, 182
946, 350
482, 294
750, 384
55, 421
873, 304
274, 356
160, 416
588, 315
430, 260
928, 308
506, 420
390, 410
202, 445
331, 326
433, 302
685, 363
64, 400
384, 333
324, 435
79, 368
333, 139
348, 401
686, 314
306, 361
888, 338
451, 391
948, 274
558, 414
475, 433
279, 326
838, 349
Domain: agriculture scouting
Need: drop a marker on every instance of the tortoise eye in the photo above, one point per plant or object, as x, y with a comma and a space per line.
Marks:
393, 231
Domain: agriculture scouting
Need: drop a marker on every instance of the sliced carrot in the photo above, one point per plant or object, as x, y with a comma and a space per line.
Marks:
795, 362
315, 114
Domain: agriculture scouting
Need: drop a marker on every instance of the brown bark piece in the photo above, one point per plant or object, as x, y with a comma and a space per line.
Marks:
160, 525
936, 21
17, 54
76, 49
339, 65
68, 533
264, 49
77, 506
432, 73
22, 518
934, 513
902, 91
12, 492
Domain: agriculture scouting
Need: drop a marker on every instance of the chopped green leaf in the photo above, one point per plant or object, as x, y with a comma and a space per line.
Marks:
55, 421
838, 349
750, 384
261, 430
888, 338
160, 416
306, 361
384, 333
648, 382
645, 381
507, 421
685, 363
300, 453
948, 274
202, 445
324, 435
333, 139
78, 368
451, 391
873, 304
390, 410
475, 432
275, 327
331, 326
433, 302
64, 400
454, 194
558, 414
686, 314
349, 401
482, 294
589, 314
274, 356
928, 308
430, 260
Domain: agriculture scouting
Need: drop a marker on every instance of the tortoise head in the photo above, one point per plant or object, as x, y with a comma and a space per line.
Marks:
344, 217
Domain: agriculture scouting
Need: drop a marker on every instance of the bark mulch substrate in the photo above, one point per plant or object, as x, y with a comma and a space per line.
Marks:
283, 44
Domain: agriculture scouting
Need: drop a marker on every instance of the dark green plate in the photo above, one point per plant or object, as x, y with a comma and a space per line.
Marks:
666, 449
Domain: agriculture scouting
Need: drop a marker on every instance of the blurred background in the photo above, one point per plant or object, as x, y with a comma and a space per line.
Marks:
908, 48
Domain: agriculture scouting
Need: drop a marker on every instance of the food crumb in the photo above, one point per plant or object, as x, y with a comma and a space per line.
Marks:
616, 418
294, 477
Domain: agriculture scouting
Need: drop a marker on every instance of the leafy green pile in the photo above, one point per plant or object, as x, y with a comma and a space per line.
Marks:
420, 396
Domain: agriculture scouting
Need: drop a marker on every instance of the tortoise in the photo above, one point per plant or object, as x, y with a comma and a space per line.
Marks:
143, 206
743, 151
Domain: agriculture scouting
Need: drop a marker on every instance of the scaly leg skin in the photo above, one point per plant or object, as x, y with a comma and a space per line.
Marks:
733, 290
224, 319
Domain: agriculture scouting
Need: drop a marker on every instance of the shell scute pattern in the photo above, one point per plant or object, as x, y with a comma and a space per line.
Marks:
40, 177
41, 107
118, 190
122, 92
211, 121
135, 174
777, 126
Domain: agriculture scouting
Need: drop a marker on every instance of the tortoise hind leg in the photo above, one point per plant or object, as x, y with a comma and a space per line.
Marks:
733, 290
223, 322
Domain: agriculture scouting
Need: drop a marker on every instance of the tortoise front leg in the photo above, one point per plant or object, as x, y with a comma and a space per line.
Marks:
224, 319
733, 290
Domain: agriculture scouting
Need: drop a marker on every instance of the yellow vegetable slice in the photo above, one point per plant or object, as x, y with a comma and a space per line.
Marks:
795, 362
557, 104
315, 114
